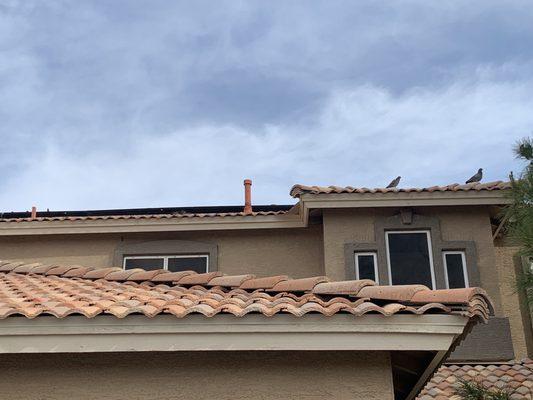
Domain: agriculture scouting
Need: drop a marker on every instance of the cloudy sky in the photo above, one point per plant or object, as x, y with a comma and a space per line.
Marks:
111, 104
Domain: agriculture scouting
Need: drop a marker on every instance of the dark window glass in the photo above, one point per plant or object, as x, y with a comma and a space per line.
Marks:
144, 263
198, 264
365, 263
455, 270
409, 259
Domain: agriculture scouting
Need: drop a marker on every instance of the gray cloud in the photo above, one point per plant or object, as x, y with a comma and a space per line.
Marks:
117, 104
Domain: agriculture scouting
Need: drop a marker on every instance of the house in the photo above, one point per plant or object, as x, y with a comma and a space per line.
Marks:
289, 301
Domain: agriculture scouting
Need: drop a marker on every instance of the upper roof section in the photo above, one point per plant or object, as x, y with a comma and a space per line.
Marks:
37, 289
249, 216
143, 213
298, 190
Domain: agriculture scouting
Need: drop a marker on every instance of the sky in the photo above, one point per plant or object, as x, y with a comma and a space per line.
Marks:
129, 103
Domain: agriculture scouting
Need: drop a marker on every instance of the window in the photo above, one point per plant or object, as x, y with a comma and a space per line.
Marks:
366, 266
455, 269
172, 263
409, 258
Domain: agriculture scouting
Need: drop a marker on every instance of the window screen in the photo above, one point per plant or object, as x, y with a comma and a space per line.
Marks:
173, 263
454, 262
365, 264
409, 258
148, 264
198, 264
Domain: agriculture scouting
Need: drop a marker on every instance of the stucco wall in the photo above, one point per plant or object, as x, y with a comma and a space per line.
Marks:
297, 252
513, 307
213, 375
456, 224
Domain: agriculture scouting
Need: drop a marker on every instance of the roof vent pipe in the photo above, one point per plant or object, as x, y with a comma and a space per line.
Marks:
247, 196
33, 212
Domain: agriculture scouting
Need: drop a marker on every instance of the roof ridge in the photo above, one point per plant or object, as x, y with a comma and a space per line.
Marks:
470, 302
299, 189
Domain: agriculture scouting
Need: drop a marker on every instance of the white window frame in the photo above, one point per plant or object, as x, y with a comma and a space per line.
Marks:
374, 256
430, 251
465, 269
167, 257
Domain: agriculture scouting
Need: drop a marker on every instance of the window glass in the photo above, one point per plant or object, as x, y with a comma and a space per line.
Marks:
409, 258
197, 264
365, 265
455, 270
144, 263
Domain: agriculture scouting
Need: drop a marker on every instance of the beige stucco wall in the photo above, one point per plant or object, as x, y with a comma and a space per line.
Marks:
187, 376
513, 307
296, 252
462, 224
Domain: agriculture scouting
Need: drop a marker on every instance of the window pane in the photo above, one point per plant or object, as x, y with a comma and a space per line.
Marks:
148, 264
409, 259
198, 264
455, 270
365, 264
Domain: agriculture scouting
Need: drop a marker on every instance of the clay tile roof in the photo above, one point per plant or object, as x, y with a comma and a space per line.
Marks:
30, 291
298, 190
516, 376
133, 216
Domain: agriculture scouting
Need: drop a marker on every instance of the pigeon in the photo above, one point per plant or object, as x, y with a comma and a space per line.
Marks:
477, 177
394, 183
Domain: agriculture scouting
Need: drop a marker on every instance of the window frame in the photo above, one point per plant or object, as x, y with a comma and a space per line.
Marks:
366, 253
430, 252
165, 258
465, 268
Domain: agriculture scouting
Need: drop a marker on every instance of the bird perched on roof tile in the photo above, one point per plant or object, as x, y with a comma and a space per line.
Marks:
394, 183
477, 177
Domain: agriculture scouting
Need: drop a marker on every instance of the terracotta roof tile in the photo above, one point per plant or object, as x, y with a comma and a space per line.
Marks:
199, 279
263, 283
142, 275
298, 190
229, 281
90, 292
298, 285
342, 287
100, 272
170, 276
77, 272
516, 376
45, 268
122, 275
397, 292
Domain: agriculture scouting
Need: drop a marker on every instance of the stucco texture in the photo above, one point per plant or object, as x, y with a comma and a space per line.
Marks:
295, 252
456, 224
513, 307
207, 375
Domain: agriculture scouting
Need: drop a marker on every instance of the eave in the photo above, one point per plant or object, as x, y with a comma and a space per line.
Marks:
151, 225
404, 199
78, 334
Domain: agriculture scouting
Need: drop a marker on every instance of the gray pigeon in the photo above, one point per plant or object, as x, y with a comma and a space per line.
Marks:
477, 177
394, 183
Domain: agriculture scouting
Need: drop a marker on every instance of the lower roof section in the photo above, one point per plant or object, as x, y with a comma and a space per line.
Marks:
228, 333
515, 377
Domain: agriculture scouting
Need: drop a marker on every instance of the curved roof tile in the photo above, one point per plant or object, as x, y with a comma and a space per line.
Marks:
29, 290
298, 190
